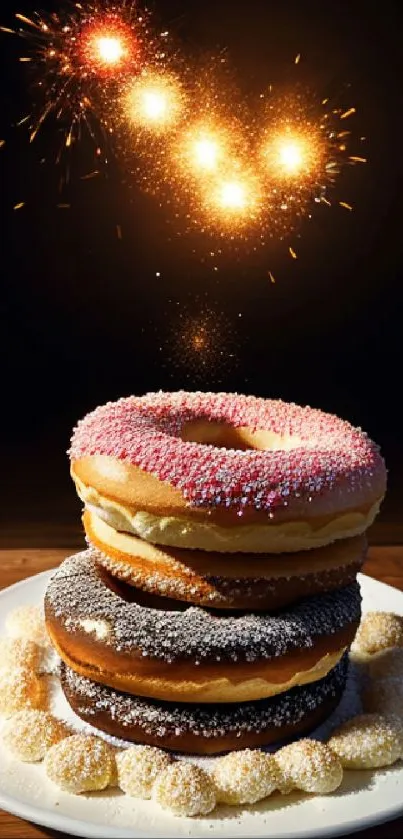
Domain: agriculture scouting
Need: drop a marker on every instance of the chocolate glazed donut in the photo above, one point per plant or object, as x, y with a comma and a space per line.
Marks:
164, 650
205, 729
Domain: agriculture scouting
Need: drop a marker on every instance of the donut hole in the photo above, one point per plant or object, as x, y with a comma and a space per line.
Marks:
223, 435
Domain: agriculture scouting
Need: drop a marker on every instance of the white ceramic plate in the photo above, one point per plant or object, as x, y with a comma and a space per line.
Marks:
364, 799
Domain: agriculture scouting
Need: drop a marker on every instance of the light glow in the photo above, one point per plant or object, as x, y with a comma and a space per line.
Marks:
291, 156
232, 195
109, 49
206, 152
154, 102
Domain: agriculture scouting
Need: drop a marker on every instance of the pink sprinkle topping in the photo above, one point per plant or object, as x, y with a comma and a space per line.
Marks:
333, 456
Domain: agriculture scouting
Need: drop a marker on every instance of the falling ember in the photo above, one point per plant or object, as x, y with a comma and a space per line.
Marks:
355, 159
19, 206
292, 253
297, 58
271, 277
28, 21
345, 205
348, 113
154, 103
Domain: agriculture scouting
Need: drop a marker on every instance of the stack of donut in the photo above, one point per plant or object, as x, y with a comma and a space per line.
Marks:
217, 599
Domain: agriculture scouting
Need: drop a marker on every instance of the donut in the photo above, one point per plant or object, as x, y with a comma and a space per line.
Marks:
368, 741
81, 763
226, 473
185, 789
155, 647
138, 768
204, 729
255, 581
29, 734
244, 777
378, 631
309, 766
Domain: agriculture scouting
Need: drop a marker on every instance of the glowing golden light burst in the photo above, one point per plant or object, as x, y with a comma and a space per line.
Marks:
233, 199
81, 57
295, 153
154, 102
204, 147
291, 154
232, 195
302, 149
206, 153
108, 49
200, 346
183, 133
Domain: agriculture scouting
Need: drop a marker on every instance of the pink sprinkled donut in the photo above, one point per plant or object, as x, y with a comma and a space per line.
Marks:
226, 472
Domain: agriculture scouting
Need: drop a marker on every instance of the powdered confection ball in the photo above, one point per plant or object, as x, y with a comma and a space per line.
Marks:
309, 766
244, 777
384, 697
21, 688
20, 652
81, 764
27, 622
185, 789
387, 664
29, 734
378, 631
368, 741
138, 768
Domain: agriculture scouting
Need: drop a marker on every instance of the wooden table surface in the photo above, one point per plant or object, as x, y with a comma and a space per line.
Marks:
384, 563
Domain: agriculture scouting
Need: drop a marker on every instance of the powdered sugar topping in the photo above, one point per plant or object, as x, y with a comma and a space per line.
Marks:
78, 592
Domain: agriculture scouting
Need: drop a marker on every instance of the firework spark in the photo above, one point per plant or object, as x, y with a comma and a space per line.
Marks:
301, 155
184, 134
81, 58
205, 153
201, 346
154, 102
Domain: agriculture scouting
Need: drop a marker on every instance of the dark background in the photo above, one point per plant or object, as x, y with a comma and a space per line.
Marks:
85, 318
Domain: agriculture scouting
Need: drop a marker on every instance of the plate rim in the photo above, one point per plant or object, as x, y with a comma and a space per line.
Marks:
52, 820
